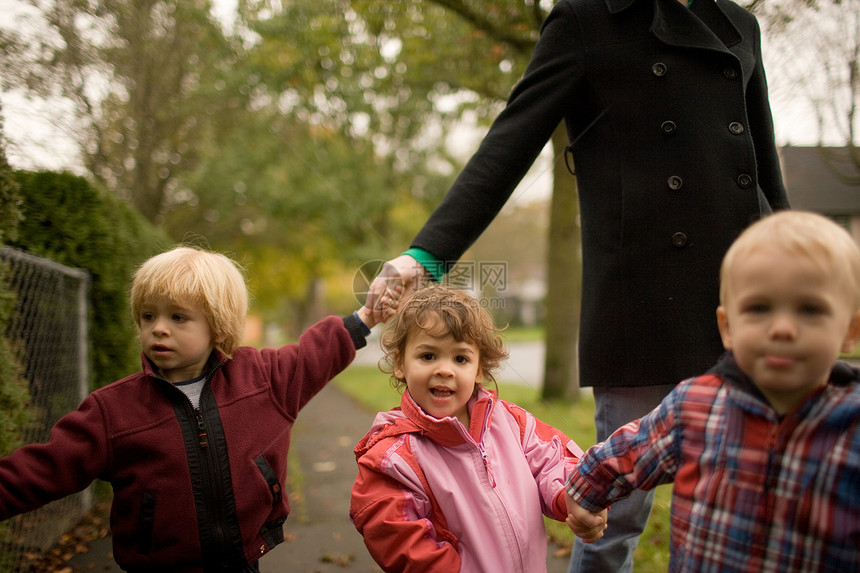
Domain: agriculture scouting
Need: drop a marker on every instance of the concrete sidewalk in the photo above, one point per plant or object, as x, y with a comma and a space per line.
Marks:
320, 536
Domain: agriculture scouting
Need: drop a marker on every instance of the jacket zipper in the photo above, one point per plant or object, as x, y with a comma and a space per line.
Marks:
491, 478
211, 486
211, 483
487, 465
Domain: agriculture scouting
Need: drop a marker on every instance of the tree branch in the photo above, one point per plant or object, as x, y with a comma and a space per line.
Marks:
480, 21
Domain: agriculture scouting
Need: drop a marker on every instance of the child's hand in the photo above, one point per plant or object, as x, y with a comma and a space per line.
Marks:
366, 317
387, 306
586, 525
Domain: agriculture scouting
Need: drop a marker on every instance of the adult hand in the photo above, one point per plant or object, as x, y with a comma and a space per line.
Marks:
398, 278
585, 524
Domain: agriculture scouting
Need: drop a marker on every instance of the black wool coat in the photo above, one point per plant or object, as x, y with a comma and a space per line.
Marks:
672, 138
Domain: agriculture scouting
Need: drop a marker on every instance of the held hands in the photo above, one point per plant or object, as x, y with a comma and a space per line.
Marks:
586, 525
367, 317
398, 278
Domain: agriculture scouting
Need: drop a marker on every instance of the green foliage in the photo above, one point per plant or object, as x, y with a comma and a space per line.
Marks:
451, 45
159, 67
14, 395
300, 144
10, 198
337, 166
369, 387
70, 221
13, 389
296, 204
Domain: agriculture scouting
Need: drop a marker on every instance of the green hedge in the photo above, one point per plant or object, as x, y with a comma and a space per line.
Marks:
70, 221
14, 394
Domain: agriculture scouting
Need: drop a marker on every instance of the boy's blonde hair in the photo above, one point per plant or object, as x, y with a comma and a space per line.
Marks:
813, 236
442, 310
188, 275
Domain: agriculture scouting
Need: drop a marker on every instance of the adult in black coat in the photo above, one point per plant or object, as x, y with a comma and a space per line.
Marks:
667, 110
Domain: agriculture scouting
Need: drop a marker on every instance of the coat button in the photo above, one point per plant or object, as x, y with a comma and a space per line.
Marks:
668, 127
679, 239
736, 128
659, 69
674, 182
745, 181
730, 73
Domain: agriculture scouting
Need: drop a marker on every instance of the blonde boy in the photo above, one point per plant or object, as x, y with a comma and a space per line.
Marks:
195, 445
764, 449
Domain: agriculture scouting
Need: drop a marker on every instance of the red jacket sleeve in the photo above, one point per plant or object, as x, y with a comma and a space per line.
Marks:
75, 455
395, 516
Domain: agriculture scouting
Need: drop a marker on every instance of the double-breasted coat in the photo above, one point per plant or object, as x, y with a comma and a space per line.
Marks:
672, 138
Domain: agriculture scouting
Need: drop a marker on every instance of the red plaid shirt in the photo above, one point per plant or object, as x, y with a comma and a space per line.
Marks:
754, 492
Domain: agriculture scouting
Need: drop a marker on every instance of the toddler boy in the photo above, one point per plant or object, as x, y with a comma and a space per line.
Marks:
764, 449
195, 445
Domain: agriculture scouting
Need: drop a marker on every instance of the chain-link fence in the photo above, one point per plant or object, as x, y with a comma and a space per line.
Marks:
48, 337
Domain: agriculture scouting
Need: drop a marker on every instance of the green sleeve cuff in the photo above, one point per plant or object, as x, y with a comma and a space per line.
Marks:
427, 260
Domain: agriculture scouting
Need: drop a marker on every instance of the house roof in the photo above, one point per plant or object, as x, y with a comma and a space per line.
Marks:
821, 179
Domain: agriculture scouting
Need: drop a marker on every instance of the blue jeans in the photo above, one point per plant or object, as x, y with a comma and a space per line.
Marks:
613, 553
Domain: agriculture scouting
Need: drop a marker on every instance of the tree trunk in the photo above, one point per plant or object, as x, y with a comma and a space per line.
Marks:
564, 288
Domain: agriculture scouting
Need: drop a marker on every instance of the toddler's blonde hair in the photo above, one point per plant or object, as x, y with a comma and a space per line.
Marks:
806, 234
189, 275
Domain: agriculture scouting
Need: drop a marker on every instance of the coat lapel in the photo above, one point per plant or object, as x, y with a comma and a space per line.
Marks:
705, 26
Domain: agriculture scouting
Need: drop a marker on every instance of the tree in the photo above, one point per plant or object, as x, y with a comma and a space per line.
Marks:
14, 394
176, 118
482, 48
354, 161
393, 69
147, 79
295, 200
817, 53
10, 195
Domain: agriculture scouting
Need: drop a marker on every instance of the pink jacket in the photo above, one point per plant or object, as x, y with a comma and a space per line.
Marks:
431, 496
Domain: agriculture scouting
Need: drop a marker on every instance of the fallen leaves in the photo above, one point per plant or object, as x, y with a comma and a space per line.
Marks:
339, 559
92, 526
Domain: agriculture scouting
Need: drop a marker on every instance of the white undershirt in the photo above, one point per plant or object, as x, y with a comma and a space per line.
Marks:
192, 389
